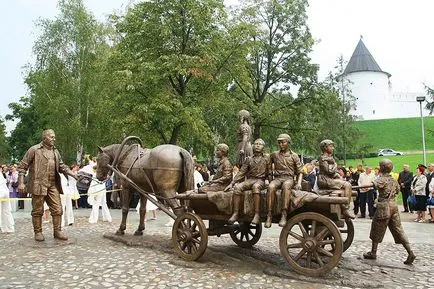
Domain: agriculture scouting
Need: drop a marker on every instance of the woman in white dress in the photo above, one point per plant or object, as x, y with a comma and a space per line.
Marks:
66, 199
150, 207
7, 224
72, 183
96, 198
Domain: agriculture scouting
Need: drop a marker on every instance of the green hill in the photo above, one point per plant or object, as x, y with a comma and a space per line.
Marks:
403, 134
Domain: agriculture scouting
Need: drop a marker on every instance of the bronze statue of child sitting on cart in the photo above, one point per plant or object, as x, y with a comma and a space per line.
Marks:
251, 176
223, 175
329, 178
288, 175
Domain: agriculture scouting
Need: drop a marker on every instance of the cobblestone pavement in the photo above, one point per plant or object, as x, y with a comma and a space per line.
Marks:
89, 260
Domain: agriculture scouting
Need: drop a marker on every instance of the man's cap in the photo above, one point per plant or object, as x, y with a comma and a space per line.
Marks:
421, 166
284, 136
344, 170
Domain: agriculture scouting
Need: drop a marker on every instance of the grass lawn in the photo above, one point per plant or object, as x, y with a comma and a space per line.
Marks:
413, 160
402, 134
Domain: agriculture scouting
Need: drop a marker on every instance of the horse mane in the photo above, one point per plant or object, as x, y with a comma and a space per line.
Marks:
112, 150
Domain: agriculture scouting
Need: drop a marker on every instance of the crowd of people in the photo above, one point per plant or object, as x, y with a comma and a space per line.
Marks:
417, 190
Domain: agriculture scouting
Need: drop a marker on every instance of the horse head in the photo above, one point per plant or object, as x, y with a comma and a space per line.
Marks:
102, 161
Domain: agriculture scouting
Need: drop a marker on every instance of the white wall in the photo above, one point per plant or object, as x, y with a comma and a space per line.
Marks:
376, 100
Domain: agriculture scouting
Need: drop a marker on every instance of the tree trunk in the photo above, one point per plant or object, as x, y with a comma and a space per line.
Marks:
256, 131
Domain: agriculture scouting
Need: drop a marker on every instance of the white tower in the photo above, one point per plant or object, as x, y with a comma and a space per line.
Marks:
369, 85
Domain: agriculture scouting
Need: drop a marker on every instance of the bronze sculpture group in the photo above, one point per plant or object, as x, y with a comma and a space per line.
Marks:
168, 169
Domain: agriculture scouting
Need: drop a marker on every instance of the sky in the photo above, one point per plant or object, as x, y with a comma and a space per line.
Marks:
397, 33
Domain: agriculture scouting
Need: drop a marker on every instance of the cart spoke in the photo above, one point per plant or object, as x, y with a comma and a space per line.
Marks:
326, 242
183, 245
324, 252
295, 235
303, 229
300, 254
251, 233
313, 228
295, 245
194, 226
322, 234
309, 260
318, 259
247, 236
196, 241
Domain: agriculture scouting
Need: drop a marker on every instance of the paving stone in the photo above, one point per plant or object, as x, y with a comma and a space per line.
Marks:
90, 260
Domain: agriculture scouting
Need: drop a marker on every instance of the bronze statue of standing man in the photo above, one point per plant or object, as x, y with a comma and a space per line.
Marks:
244, 148
45, 165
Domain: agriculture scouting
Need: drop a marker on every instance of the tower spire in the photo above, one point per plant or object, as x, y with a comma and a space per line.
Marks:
362, 60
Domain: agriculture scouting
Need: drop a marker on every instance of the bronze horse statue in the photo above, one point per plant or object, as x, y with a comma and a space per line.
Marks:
164, 171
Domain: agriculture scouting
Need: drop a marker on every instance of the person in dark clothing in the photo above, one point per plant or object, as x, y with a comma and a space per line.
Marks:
429, 176
354, 182
204, 174
404, 180
109, 188
310, 175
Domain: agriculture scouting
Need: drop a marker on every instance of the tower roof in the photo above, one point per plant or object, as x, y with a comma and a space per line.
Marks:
362, 60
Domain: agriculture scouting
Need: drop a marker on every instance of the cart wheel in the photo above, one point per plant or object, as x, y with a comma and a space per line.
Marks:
312, 252
246, 234
347, 233
189, 236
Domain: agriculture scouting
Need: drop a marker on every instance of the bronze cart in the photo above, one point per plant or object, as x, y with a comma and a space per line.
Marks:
312, 242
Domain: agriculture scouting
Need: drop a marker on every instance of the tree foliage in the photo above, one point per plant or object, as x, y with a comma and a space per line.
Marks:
5, 152
346, 136
27, 131
66, 83
276, 61
177, 72
170, 60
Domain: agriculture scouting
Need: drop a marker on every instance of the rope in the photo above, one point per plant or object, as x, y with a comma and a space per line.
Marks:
100, 192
